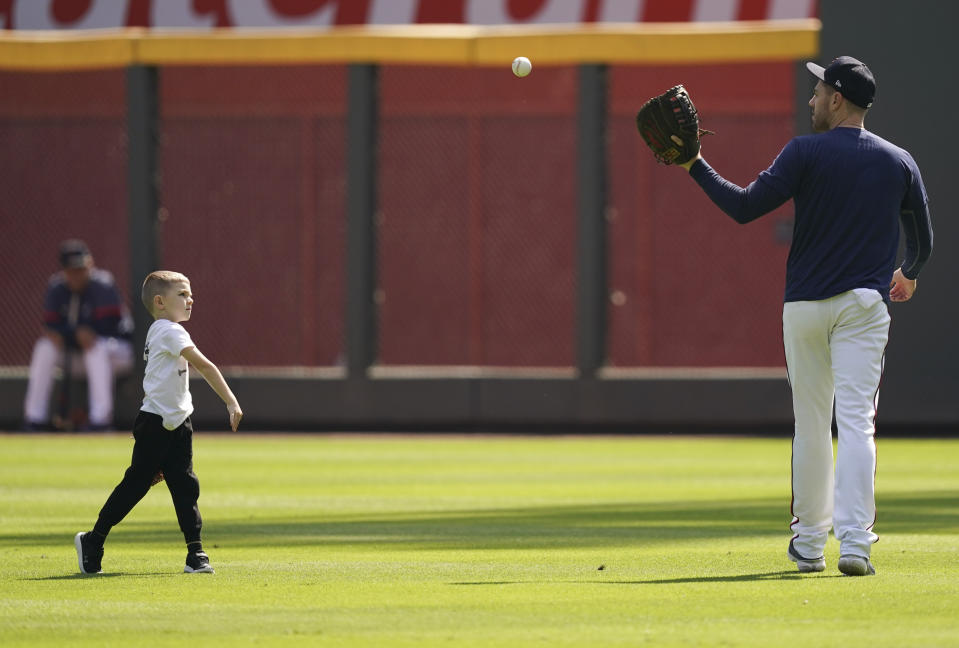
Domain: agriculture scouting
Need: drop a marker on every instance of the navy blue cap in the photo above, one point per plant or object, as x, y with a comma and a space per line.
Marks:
850, 77
74, 253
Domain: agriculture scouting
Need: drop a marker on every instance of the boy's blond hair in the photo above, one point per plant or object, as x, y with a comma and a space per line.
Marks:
158, 283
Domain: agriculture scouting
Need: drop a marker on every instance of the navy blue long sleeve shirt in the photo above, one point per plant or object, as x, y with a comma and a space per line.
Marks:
851, 190
100, 307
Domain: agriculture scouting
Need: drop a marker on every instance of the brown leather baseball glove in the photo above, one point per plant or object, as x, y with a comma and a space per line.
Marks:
669, 124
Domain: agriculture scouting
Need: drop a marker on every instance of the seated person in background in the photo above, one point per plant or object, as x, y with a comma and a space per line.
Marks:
84, 315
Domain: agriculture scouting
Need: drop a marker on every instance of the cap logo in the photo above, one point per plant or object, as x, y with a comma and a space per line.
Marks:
838, 83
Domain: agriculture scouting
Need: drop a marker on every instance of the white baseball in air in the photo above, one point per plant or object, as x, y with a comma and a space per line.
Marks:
522, 66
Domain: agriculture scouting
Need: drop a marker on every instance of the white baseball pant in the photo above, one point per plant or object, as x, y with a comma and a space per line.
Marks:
108, 357
834, 354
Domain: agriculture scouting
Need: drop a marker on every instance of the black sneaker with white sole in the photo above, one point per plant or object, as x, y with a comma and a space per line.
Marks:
89, 555
197, 562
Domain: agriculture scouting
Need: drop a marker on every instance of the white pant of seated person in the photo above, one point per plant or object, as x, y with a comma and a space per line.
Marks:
834, 353
107, 358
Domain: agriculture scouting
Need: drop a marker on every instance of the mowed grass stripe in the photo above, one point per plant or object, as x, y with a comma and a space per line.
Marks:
434, 540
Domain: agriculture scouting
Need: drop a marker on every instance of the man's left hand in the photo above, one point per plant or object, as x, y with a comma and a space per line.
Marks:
901, 289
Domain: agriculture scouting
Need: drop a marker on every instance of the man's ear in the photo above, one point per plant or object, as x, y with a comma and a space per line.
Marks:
837, 99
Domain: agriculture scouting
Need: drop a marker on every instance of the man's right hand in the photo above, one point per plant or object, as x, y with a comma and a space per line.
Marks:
86, 337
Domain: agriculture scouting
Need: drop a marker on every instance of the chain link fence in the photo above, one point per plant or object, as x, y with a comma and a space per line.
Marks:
62, 175
476, 212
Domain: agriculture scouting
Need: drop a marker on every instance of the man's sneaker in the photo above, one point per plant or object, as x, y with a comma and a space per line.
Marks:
806, 565
88, 554
852, 565
197, 562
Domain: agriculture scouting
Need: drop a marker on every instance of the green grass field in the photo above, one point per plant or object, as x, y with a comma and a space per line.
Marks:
469, 541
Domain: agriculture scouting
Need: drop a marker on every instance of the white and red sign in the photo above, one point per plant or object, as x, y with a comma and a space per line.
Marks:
318, 14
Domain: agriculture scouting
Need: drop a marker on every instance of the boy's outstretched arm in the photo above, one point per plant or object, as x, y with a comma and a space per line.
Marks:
213, 376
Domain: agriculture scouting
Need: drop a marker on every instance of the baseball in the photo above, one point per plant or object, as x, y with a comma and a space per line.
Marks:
522, 66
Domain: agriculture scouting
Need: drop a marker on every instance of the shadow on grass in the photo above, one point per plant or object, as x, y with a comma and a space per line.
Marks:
735, 578
765, 576
78, 576
534, 527
508, 528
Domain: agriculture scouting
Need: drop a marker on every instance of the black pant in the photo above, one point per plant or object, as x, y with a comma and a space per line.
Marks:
157, 448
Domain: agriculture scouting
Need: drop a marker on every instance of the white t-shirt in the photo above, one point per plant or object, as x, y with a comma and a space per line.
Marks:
166, 380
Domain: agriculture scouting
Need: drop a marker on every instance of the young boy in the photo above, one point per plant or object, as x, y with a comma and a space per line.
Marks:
163, 434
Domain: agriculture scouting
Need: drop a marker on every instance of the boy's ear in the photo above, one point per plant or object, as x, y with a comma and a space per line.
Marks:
158, 302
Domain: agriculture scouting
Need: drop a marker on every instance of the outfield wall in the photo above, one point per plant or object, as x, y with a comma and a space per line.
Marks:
477, 310
477, 212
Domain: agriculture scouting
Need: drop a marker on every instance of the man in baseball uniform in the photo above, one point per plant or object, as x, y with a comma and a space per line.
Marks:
851, 190
84, 315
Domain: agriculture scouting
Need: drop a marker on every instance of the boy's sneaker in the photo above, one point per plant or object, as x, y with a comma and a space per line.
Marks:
852, 565
806, 565
197, 562
88, 554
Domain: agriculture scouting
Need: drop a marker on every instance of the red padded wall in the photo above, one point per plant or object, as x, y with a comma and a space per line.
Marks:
477, 211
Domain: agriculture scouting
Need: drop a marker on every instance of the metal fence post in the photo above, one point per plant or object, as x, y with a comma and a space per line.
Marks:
142, 186
361, 201
591, 272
